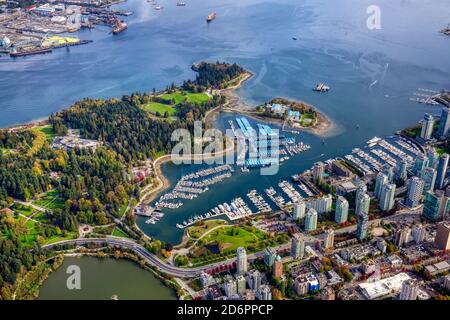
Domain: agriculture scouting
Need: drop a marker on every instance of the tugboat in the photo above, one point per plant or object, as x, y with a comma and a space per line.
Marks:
211, 17
321, 87
119, 27
181, 4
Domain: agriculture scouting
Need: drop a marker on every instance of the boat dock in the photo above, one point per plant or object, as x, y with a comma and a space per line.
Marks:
191, 185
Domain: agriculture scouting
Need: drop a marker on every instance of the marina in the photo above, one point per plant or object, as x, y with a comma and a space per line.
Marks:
262, 147
290, 191
379, 153
258, 201
277, 199
191, 185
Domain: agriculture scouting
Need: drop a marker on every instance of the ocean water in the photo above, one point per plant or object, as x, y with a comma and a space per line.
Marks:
372, 73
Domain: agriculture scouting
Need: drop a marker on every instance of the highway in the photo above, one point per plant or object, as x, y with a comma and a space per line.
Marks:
153, 259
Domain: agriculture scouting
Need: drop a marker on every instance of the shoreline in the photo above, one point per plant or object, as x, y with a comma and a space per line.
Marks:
324, 127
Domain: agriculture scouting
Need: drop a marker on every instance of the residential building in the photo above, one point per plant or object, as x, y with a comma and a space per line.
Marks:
311, 220
389, 172
420, 163
318, 171
418, 233
362, 203
299, 210
402, 236
241, 263
301, 285
341, 213
415, 191
254, 280
381, 245
277, 270
427, 127
230, 286
409, 291
436, 206
441, 171
381, 180
269, 256
401, 170
444, 123
206, 279
433, 157
321, 205
264, 293
361, 189
428, 176
329, 239
297, 246
241, 284
442, 239
362, 226
362, 214
387, 197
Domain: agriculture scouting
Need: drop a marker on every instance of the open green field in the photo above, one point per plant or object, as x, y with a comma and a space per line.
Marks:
117, 232
180, 96
123, 209
174, 98
69, 236
50, 200
22, 209
47, 130
160, 108
233, 237
196, 232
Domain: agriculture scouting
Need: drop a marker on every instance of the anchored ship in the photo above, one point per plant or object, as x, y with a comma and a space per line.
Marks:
211, 17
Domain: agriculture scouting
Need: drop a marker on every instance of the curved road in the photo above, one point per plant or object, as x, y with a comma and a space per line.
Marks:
154, 260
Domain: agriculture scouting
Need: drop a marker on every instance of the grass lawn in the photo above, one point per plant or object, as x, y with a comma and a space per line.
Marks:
22, 209
307, 120
234, 237
160, 107
180, 96
69, 236
41, 217
117, 232
48, 131
50, 200
197, 231
123, 209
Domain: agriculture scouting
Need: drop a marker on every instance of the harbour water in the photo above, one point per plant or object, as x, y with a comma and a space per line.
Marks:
103, 278
372, 73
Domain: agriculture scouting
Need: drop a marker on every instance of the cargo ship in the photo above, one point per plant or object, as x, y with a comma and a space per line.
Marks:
119, 27
211, 17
